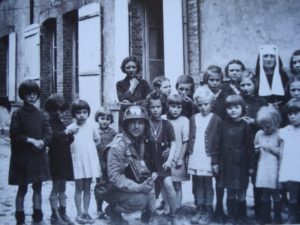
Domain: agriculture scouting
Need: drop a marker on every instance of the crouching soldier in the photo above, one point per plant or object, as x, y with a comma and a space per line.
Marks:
128, 185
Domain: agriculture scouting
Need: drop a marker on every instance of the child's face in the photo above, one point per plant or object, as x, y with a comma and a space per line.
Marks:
295, 89
234, 71
296, 63
234, 111
269, 61
184, 89
268, 127
61, 114
31, 98
175, 110
155, 108
136, 127
104, 122
165, 88
247, 87
214, 82
294, 118
203, 105
131, 69
81, 116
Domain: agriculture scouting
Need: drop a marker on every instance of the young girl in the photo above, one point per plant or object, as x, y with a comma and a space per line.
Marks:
294, 87
204, 146
248, 86
59, 157
268, 144
213, 78
185, 87
30, 134
159, 150
295, 63
181, 128
161, 85
236, 157
104, 118
290, 164
84, 155
233, 72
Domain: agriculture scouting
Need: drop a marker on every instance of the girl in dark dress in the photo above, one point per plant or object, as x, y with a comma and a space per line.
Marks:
59, 158
236, 158
30, 134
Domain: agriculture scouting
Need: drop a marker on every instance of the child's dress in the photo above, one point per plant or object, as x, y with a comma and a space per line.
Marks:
290, 157
237, 154
181, 129
59, 151
268, 164
84, 152
199, 163
27, 163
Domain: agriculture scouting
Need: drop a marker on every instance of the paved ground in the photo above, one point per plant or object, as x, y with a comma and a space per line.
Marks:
8, 193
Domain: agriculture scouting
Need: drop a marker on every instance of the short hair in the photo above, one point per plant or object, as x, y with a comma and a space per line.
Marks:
251, 76
56, 102
186, 79
268, 114
104, 111
175, 99
293, 106
79, 105
27, 87
130, 59
155, 96
293, 79
204, 92
234, 61
212, 69
295, 53
233, 100
157, 81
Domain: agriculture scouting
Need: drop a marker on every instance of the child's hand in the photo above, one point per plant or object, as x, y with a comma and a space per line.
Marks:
248, 119
39, 144
166, 165
179, 163
146, 186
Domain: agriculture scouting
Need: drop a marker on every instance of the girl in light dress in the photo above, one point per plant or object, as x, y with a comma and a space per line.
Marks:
181, 128
268, 144
86, 165
290, 163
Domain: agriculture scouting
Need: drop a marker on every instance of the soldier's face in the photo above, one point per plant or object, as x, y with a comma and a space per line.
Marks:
136, 127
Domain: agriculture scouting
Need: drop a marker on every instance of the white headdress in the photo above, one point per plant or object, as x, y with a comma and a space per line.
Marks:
264, 87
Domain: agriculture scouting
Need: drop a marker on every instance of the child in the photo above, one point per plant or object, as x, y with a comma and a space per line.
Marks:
203, 146
30, 134
236, 157
248, 86
104, 118
290, 164
159, 150
233, 72
213, 78
59, 157
268, 144
161, 86
84, 156
181, 129
185, 87
294, 87
295, 63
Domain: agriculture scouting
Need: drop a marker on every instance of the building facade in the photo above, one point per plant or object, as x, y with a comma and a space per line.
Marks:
76, 47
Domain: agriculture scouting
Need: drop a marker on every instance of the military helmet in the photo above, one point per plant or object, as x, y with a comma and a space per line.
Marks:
135, 112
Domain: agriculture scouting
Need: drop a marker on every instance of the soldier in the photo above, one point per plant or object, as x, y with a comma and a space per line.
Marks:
124, 193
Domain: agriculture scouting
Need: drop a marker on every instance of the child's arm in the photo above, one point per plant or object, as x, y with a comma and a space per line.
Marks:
97, 137
179, 160
16, 133
185, 137
168, 163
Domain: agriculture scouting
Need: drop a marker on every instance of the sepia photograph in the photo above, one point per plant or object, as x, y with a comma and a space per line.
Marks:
159, 112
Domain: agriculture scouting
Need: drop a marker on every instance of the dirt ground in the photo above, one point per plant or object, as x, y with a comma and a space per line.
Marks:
8, 193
